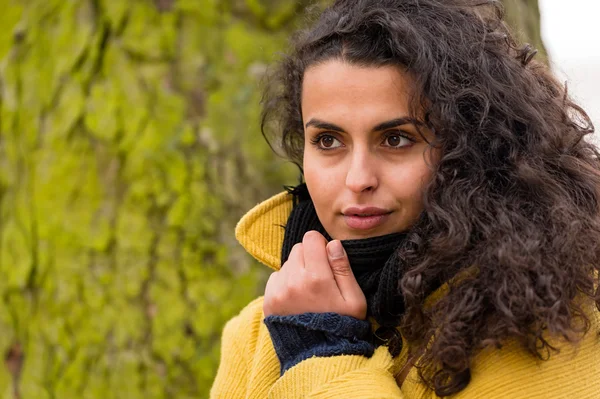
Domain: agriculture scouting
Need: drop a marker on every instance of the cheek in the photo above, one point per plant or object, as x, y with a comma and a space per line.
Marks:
311, 175
325, 183
408, 186
320, 179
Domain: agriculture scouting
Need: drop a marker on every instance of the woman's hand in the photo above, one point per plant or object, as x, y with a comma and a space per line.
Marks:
316, 278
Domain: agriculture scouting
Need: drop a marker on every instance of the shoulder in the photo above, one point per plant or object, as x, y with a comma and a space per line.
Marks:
244, 330
248, 363
511, 371
247, 322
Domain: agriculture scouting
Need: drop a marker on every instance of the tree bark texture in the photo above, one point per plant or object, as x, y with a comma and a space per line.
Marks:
129, 146
524, 17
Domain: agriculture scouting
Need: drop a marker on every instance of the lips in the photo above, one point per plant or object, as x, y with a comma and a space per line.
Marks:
365, 218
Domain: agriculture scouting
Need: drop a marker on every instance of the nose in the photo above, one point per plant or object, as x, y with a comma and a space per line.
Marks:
362, 174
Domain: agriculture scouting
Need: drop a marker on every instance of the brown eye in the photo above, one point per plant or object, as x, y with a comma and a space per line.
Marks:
328, 142
395, 140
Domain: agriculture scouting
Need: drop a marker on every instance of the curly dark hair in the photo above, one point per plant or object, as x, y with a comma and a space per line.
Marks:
515, 195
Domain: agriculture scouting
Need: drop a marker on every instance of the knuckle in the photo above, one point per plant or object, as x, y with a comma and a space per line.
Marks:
357, 308
277, 300
340, 268
295, 257
316, 279
316, 285
295, 287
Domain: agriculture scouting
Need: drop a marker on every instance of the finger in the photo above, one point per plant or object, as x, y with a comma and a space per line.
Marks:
273, 289
315, 254
341, 270
296, 258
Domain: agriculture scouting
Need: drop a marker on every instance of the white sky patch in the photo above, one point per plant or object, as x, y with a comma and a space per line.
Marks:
571, 33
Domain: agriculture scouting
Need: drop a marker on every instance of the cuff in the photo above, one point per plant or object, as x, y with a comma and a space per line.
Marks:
299, 337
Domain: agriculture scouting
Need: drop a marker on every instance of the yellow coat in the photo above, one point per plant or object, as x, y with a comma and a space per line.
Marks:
249, 367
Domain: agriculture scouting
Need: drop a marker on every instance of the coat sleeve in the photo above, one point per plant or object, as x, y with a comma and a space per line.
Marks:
246, 363
302, 336
337, 377
239, 341
508, 372
231, 379
512, 372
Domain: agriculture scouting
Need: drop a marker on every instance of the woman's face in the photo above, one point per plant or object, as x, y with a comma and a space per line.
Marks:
365, 164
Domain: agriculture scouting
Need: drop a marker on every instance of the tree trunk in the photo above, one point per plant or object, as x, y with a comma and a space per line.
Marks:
524, 18
128, 135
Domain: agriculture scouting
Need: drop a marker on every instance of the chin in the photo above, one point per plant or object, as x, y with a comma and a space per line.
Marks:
358, 235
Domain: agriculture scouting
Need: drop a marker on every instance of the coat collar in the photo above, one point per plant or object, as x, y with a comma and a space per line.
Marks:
261, 230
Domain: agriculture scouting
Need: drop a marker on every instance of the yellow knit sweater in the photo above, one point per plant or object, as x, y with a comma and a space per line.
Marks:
249, 367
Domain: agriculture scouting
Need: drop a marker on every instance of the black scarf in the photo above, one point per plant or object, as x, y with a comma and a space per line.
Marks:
375, 263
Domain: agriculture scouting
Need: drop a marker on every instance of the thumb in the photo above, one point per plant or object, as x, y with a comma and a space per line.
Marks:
342, 272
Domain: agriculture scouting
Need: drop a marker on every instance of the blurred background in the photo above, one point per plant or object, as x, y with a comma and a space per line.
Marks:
571, 35
129, 148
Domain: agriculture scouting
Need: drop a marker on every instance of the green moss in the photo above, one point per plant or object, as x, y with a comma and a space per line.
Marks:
524, 18
115, 278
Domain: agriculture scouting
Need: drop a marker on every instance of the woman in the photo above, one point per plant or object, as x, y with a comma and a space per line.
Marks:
446, 239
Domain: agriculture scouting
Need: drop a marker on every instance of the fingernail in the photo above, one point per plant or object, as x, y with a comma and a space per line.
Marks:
335, 249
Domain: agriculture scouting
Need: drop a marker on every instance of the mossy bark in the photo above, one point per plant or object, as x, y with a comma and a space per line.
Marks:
524, 17
129, 146
128, 138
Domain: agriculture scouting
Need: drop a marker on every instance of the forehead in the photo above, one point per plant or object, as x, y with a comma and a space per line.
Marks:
337, 88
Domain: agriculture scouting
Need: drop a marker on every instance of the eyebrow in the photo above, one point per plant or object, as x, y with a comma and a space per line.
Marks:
382, 126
